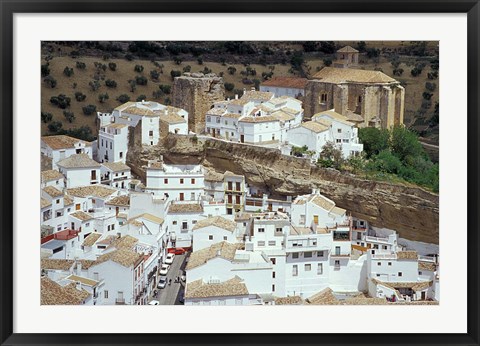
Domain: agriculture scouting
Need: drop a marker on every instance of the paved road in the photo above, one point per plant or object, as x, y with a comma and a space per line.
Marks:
169, 294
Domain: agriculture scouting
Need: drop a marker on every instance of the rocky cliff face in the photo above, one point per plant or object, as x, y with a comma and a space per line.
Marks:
196, 93
411, 211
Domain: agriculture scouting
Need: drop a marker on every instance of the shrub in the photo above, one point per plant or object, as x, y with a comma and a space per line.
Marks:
103, 97
81, 65
100, 66
94, 85
415, 72
398, 71
432, 75
154, 74
200, 61
427, 95
60, 101
129, 57
206, 70
167, 101
79, 96
231, 70
112, 66
141, 80
46, 117
229, 86
156, 94
123, 98
111, 83
177, 60
165, 88
51, 82
327, 61
141, 98
45, 70
89, 109
175, 73
133, 85
187, 68
138, 68
54, 126
69, 116
68, 71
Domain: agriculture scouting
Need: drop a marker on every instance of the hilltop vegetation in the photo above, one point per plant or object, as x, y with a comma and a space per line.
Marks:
80, 78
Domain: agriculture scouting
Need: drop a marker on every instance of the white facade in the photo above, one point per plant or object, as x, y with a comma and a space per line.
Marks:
112, 143
60, 147
116, 175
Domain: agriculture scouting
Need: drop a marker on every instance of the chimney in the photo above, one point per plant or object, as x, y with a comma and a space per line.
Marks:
78, 285
79, 268
143, 102
244, 91
236, 96
218, 253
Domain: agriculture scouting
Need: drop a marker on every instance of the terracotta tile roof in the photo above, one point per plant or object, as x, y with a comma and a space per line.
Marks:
81, 215
324, 297
232, 115
217, 221
239, 102
408, 255
428, 266
216, 111
347, 49
134, 110
44, 203
286, 82
172, 119
323, 202
290, 110
63, 142
52, 293
257, 95
232, 287
83, 280
116, 126
116, 166
314, 126
52, 191
86, 264
261, 119
121, 201
351, 116
125, 105
294, 300
149, 217
416, 286
334, 115
51, 175
91, 239
340, 75
338, 211
100, 191
78, 161
124, 257
224, 250
283, 116
67, 200
243, 217
56, 264
185, 208
124, 243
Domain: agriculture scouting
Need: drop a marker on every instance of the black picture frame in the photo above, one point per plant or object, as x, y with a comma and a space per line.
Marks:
10, 7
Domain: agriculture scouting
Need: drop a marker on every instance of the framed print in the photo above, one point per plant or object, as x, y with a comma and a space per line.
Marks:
196, 163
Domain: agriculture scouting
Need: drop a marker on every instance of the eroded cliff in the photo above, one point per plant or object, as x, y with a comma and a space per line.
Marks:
412, 211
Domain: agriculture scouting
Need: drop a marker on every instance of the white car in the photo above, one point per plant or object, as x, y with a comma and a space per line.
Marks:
164, 269
154, 302
162, 282
169, 259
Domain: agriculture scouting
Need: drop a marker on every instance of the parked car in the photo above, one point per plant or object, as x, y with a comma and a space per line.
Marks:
177, 251
162, 282
154, 302
169, 259
164, 269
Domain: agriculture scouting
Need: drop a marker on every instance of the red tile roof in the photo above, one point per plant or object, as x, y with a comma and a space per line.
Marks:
286, 82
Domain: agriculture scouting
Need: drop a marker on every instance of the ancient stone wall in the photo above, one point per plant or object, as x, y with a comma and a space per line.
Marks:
196, 93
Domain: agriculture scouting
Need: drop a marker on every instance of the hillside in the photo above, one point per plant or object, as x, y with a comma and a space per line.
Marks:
250, 62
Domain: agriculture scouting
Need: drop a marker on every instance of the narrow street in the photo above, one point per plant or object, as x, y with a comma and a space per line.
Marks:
169, 294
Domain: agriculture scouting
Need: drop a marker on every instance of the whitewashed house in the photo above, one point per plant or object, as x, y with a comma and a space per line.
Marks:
112, 142
79, 170
174, 120
60, 147
87, 198
52, 178
54, 207
181, 217
285, 86
176, 182
213, 230
115, 174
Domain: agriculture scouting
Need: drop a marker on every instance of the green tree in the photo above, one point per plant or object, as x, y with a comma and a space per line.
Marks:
231, 70
45, 70
81, 65
123, 98
54, 126
60, 101
404, 144
89, 109
154, 74
165, 88
69, 116
141, 98
175, 73
327, 61
94, 85
331, 156
46, 117
103, 97
187, 68
50, 81
79, 96
374, 140
68, 71
111, 83
133, 85
386, 162
112, 66
229, 86
138, 68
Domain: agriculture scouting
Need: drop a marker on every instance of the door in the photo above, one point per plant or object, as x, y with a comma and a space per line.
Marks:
242, 139
94, 175
237, 200
229, 199
117, 209
182, 196
337, 250
77, 206
424, 295
315, 219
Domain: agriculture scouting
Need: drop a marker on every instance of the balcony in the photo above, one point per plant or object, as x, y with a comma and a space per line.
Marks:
376, 239
120, 301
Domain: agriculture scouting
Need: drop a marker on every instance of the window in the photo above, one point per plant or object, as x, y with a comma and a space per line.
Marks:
174, 222
295, 270
57, 201
261, 243
192, 196
338, 140
307, 254
400, 274
121, 155
273, 260
238, 301
192, 181
210, 237
337, 263
181, 180
165, 181
184, 225
295, 255
278, 230
273, 288
308, 267
359, 99
209, 119
150, 133
273, 275
339, 130
222, 302
323, 98
111, 145
105, 294
389, 263
224, 237
320, 269
261, 230
272, 243
379, 263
